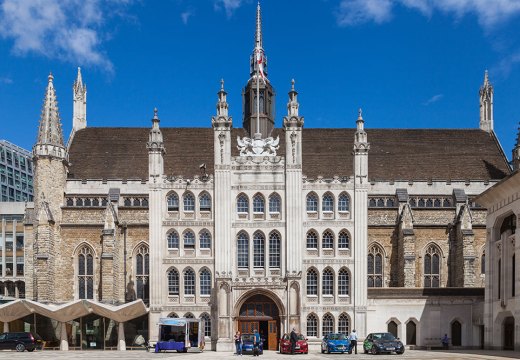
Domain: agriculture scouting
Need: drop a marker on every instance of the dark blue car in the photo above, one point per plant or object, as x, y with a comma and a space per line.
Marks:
247, 344
336, 342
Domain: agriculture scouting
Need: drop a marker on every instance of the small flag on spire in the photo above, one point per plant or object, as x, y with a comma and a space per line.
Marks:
260, 62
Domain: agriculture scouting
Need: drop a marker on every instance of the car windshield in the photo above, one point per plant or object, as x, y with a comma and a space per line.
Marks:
301, 337
336, 337
384, 336
248, 337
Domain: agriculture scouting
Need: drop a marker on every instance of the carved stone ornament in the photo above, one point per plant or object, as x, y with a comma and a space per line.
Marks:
258, 146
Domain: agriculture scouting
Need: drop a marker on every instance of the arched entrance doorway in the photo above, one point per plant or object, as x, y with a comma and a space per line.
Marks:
260, 312
456, 333
509, 333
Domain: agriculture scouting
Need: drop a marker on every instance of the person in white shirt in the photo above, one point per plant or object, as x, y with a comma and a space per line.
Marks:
353, 340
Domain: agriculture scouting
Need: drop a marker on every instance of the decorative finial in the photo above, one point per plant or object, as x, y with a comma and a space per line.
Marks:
360, 114
50, 77
486, 77
155, 116
292, 84
221, 84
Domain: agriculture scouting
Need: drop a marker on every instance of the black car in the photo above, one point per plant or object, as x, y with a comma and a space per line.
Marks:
20, 341
383, 342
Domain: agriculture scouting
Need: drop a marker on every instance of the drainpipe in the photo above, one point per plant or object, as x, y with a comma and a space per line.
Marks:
124, 257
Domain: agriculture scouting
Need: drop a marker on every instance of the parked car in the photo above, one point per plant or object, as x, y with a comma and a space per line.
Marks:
336, 342
301, 345
382, 342
20, 341
247, 344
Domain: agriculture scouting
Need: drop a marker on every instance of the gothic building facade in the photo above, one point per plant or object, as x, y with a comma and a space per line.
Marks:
265, 227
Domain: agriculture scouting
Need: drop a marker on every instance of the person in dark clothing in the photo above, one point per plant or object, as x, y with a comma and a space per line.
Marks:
294, 339
256, 343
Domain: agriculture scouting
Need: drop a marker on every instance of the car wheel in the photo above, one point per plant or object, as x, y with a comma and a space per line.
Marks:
373, 351
20, 347
400, 352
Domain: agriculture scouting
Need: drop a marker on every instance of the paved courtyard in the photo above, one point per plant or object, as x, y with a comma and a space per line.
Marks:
208, 355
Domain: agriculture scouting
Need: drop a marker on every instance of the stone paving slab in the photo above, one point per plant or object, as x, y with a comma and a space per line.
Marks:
210, 355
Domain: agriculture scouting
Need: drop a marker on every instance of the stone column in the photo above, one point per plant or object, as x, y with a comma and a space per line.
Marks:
64, 341
6, 326
121, 343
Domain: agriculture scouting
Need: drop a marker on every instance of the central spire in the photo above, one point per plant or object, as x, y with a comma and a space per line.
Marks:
258, 37
258, 59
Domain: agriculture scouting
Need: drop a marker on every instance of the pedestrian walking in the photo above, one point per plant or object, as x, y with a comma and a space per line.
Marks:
256, 343
294, 339
353, 340
445, 341
238, 343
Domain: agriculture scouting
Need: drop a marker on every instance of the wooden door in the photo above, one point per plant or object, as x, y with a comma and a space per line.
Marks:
247, 327
272, 330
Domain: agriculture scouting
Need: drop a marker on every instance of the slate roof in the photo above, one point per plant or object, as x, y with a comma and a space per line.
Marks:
395, 154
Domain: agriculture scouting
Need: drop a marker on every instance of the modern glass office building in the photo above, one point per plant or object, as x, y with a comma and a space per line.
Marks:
16, 173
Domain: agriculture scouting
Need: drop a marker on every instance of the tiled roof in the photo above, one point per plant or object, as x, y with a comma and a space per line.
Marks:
395, 154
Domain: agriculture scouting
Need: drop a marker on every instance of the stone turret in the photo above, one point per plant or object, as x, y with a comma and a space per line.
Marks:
486, 105
79, 97
156, 150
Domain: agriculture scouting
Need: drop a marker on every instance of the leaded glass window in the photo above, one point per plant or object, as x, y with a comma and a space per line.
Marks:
327, 282
189, 240
85, 273
328, 240
142, 271
375, 267
274, 250
312, 240
312, 282
173, 240
243, 250
274, 203
431, 267
189, 202
343, 240
173, 202
258, 204
327, 324
207, 324
258, 250
343, 282
242, 204
189, 282
205, 202
205, 282
173, 282
205, 240
344, 324
312, 203
327, 204
312, 325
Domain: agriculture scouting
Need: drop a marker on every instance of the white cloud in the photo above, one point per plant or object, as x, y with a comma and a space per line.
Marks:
6, 80
503, 68
71, 30
433, 99
489, 13
185, 16
229, 5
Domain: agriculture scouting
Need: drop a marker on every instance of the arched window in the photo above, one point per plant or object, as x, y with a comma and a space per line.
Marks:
205, 202
142, 271
343, 282
483, 263
327, 324
85, 273
189, 202
392, 328
375, 267
173, 282
207, 324
205, 240
173, 202
243, 250
189, 282
312, 240
242, 204
312, 282
205, 282
258, 250
328, 240
344, 324
258, 204
189, 240
327, 204
312, 203
327, 282
173, 315
431, 267
343, 240
189, 316
274, 250
312, 325
344, 203
274, 203
173, 240
20, 285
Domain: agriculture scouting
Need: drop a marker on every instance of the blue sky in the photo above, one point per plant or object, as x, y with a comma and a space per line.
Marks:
407, 63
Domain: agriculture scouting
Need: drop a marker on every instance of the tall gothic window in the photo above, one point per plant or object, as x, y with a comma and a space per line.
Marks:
243, 250
189, 240
142, 271
312, 203
431, 267
173, 240
483, 263
312, 325
173, 202
274, 250
327, 204
343, 240
242, 204
205, 202
258, 204
205, 282
375, 267
343, 282
328, 240
85, 273
205, 240
344, 324
258, 250
312, 240
312, 282
327, 324
189, 282
189, 316
173, 282
274, 203
207, 324
327, 282
513, 276
189, 202
343, 203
